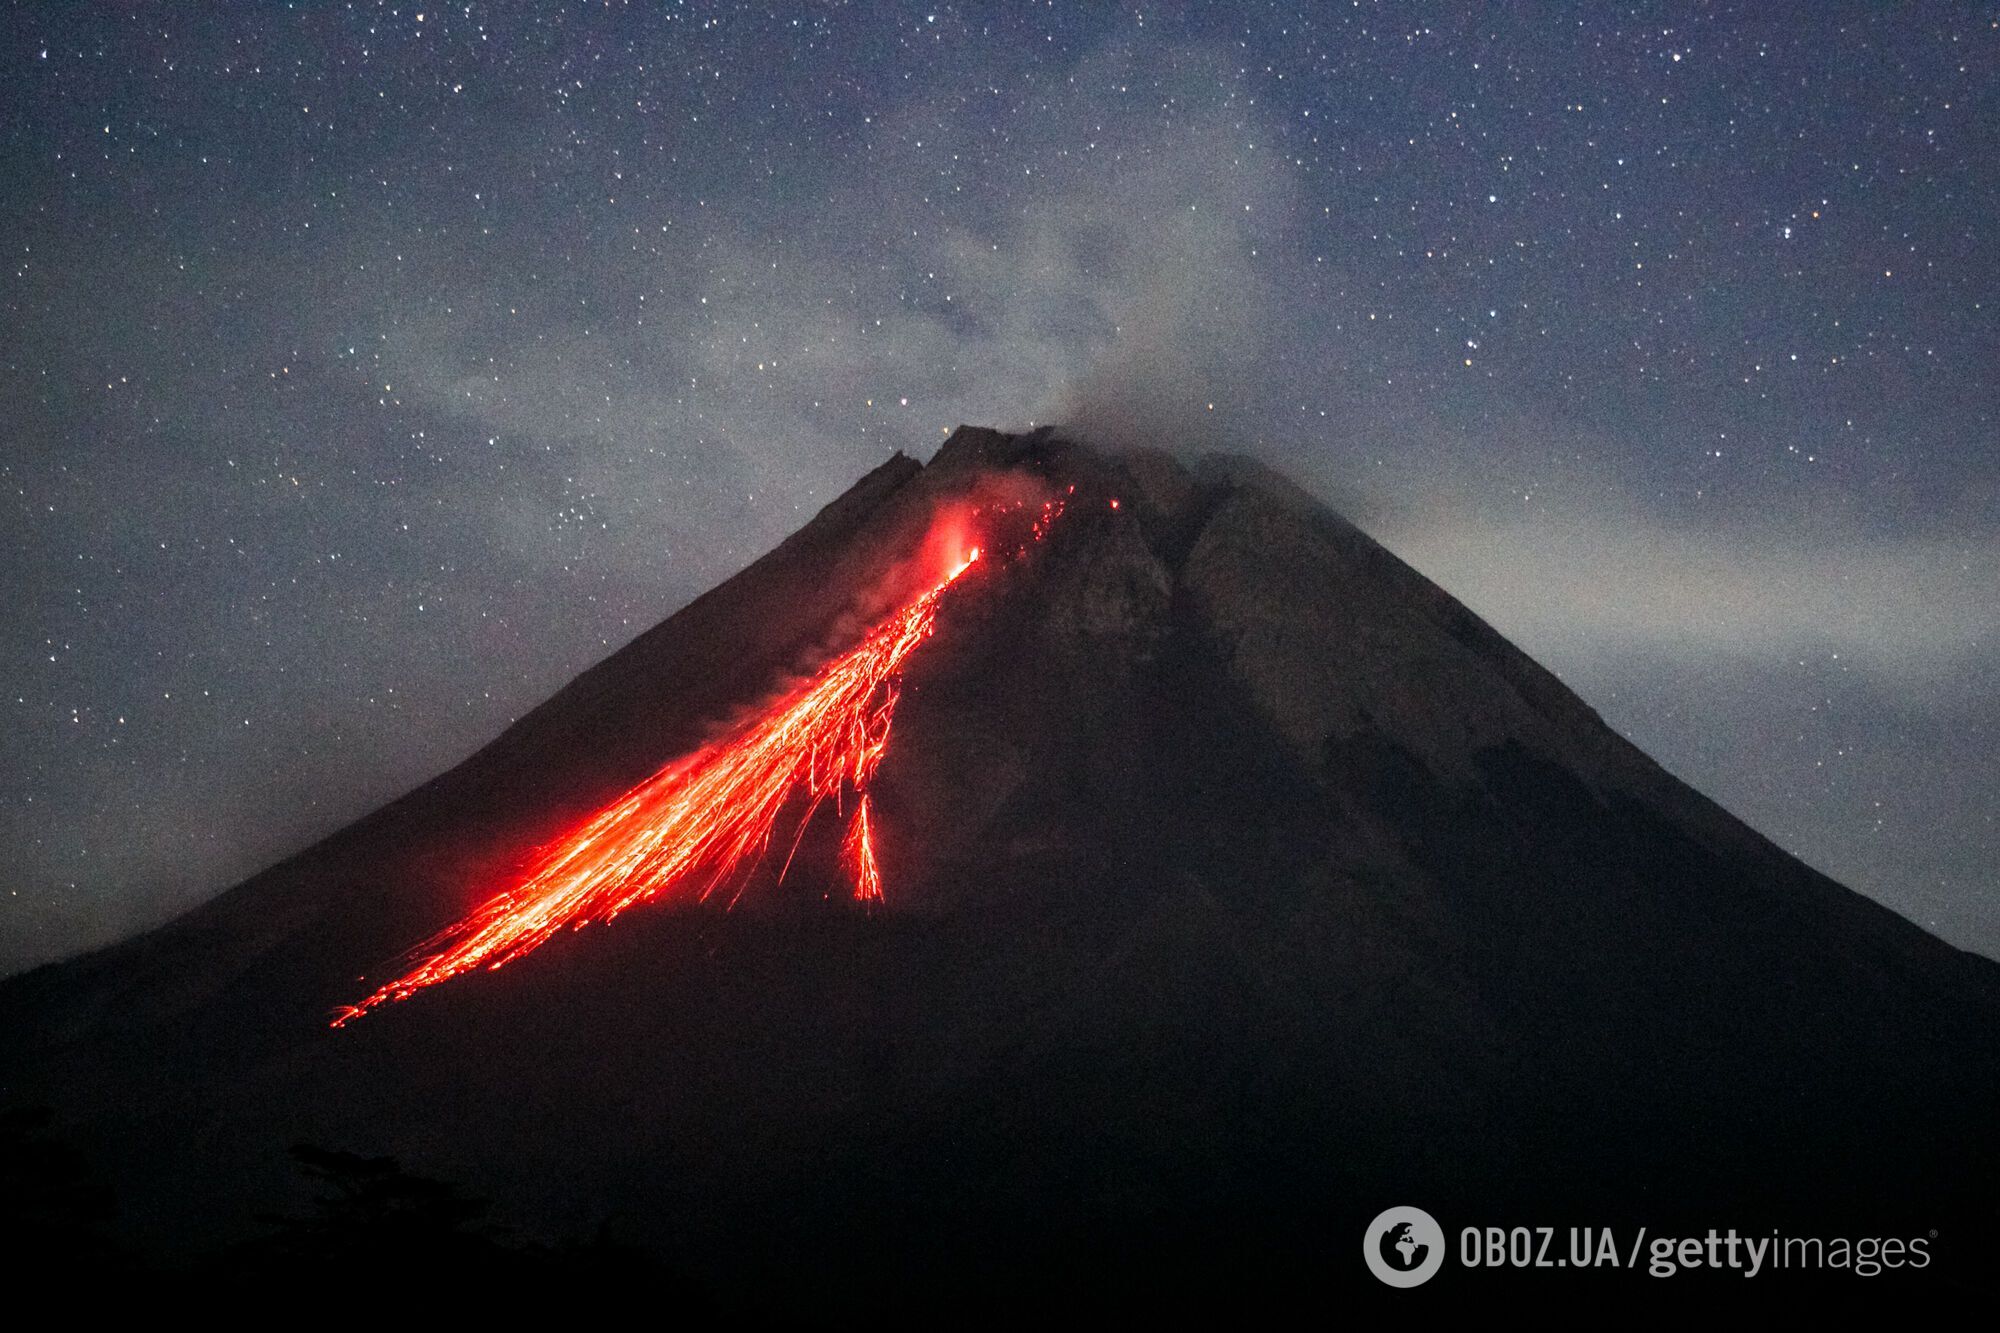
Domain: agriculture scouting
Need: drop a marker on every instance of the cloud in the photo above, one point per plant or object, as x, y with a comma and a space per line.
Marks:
1126, 298
1580, 583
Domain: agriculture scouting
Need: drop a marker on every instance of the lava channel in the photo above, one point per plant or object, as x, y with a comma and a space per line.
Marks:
702, 822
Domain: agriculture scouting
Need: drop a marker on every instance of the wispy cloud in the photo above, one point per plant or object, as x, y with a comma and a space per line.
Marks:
1583, 583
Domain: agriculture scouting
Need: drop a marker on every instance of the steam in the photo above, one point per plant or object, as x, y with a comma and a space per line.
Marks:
1181, 285
1169, 253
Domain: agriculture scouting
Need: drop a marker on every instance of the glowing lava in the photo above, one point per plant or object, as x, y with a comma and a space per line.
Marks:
859, 850
703, 821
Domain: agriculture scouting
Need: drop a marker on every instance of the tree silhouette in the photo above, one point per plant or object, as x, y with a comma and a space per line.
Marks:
382, 1228
371, 1216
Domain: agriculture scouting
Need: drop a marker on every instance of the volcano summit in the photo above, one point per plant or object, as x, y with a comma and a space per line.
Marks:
1234, 882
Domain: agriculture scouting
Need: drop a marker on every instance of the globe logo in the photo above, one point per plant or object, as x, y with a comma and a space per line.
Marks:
1409, 1249
1404, 1247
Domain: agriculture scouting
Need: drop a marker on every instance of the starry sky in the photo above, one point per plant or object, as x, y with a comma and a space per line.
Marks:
371, 369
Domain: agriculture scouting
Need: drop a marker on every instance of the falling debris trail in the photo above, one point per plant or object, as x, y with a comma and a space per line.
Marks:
860, 853
702, 821
699, 824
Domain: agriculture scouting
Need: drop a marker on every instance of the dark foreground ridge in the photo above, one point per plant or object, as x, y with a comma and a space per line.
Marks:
1241, 885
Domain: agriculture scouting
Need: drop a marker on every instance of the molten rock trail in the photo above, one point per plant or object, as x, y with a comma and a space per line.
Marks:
701, 822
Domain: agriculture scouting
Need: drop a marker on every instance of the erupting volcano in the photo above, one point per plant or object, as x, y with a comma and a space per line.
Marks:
1224, 881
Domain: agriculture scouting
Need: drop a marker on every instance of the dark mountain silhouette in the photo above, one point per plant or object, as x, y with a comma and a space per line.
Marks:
1241, 884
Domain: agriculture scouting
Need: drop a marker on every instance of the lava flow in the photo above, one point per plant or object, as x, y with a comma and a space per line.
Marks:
703, 821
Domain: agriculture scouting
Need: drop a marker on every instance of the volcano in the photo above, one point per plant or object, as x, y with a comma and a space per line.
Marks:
1193, 883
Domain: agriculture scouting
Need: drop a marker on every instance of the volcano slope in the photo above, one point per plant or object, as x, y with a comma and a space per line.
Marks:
1239, 884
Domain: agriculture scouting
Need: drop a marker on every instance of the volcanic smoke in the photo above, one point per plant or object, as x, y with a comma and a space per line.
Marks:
703, 821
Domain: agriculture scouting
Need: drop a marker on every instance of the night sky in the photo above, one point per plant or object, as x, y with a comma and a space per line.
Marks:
369, 370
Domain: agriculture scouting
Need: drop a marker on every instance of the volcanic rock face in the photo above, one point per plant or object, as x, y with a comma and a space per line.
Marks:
1240, 883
